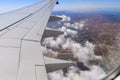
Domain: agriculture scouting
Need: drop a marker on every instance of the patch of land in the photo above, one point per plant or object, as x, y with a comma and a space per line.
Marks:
105, 33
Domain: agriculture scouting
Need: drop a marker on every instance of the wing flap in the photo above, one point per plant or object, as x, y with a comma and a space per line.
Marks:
56, 64
54, 18
8, 63
41, 73
51, 33
31, 55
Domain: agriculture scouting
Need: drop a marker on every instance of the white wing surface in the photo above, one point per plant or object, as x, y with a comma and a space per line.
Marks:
21, 30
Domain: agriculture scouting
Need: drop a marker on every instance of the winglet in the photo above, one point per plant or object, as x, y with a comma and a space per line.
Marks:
57, 2
56, 64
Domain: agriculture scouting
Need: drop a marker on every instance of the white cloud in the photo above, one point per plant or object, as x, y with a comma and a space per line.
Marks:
79, 25
96, 73
84, 54
50, 42
65, 18
47, 51
76, 25
68, 31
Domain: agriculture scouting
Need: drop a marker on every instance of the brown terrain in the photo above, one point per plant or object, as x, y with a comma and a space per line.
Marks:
105, 34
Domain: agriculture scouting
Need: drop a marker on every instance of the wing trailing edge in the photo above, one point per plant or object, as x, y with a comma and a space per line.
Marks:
56, 64
54, 18
51, 33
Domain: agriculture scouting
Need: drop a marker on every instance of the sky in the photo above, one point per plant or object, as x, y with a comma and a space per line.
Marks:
65, 5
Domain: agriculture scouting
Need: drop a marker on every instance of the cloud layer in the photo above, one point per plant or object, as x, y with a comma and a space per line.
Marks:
82, 52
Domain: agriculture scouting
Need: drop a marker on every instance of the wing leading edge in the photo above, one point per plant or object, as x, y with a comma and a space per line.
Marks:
21, 30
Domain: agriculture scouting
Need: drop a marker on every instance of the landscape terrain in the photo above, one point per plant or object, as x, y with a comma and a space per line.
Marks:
90, 39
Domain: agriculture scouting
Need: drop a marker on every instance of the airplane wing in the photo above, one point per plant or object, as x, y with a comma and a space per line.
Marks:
21, 56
